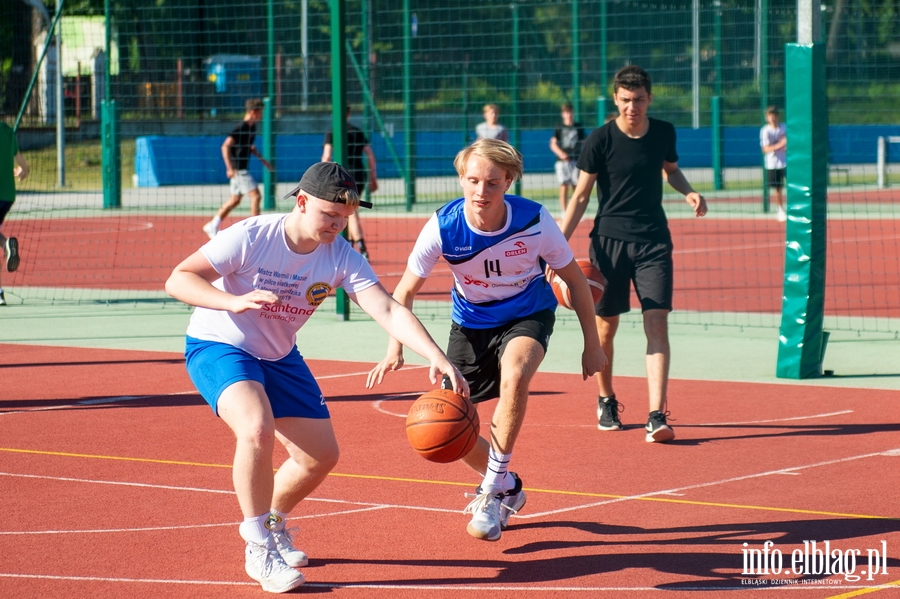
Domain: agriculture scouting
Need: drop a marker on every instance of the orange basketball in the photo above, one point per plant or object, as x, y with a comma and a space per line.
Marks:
596, 281
442, 426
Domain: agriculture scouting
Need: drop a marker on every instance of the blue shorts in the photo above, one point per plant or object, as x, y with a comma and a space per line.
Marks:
289, 384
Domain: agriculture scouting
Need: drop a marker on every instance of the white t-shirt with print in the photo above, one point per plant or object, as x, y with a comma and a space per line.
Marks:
254, 254
768, 136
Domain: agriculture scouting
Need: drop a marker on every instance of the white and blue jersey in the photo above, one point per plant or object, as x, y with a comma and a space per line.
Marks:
498, 275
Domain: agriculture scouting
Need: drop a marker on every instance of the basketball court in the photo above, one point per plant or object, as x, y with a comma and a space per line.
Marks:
121, 476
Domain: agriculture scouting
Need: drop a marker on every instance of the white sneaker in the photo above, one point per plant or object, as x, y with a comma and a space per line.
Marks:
485, 510
782, 215
284, 542
210, 229
266, 566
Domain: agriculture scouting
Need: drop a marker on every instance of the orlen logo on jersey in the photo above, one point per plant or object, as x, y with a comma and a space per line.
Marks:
470, 281
520, 249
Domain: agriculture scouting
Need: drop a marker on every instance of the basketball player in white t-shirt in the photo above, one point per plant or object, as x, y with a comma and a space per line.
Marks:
503, 309
255, 284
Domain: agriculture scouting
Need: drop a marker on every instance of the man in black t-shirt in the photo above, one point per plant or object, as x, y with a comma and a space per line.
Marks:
566, 144
630, 242
236, 151
357, 146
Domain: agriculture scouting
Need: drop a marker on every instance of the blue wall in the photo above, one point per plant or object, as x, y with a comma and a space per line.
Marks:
198, 160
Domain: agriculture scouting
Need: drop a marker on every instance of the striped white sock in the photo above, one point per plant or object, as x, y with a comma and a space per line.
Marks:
497, 479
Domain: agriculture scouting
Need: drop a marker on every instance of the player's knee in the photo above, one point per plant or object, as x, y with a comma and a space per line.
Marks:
256, 433
322, 461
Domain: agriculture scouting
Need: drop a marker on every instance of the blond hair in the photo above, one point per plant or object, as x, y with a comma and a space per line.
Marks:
347, 196
496, 151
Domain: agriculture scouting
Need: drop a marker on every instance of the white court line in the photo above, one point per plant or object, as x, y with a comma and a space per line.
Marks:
723, 481
362, 506
123, 398
98, 401
145, 226
377, 403
143, 580
688, 424
731, 248
442, 587
826, 415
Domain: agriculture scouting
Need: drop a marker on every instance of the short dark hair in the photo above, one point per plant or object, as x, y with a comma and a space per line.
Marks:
567, 107
631, 78
253, 104
772, 110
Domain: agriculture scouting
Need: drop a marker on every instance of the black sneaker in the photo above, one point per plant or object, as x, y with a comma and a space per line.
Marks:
657, 429
608, 414
513, 501
12, 254
2, 299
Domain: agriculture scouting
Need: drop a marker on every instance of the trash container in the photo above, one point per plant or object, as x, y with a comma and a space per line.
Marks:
234, 79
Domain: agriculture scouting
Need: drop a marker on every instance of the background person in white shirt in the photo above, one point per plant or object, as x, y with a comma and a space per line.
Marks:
773, 141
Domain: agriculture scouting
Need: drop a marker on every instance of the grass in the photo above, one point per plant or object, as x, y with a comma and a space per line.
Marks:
84, 173
83, 170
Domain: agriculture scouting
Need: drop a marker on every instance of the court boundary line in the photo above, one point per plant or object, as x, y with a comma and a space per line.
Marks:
649, 496
467, 587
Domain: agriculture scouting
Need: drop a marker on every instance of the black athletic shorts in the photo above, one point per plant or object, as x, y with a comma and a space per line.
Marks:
775, 177
648, 265
477, 352
5, 207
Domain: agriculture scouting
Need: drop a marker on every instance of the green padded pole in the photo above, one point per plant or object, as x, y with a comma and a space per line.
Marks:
110, 155
269, 180
801, 341
716, 110
110, 152
339, 115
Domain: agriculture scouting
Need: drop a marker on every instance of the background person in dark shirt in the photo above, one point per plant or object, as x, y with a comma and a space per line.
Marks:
236, 153
357, 146
630, 242
566, 144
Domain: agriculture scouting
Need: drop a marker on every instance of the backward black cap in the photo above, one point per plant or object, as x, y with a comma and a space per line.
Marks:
327, 181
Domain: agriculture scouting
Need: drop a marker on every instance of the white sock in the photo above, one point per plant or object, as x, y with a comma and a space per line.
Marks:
253, 529
276, 520
497, 479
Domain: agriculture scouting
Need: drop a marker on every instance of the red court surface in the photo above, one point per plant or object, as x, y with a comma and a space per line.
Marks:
721, 265
116, 483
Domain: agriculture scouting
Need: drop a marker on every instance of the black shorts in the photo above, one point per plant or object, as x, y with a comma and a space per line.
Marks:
477, 352
775, 177
648, 265
5, 207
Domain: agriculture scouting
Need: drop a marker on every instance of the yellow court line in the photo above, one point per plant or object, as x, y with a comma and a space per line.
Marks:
468, 484
866, 591
111, 457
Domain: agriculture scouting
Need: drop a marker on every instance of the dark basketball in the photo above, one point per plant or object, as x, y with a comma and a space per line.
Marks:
442, 426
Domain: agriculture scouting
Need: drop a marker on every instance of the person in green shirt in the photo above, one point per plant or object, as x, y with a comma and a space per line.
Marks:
12, 166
